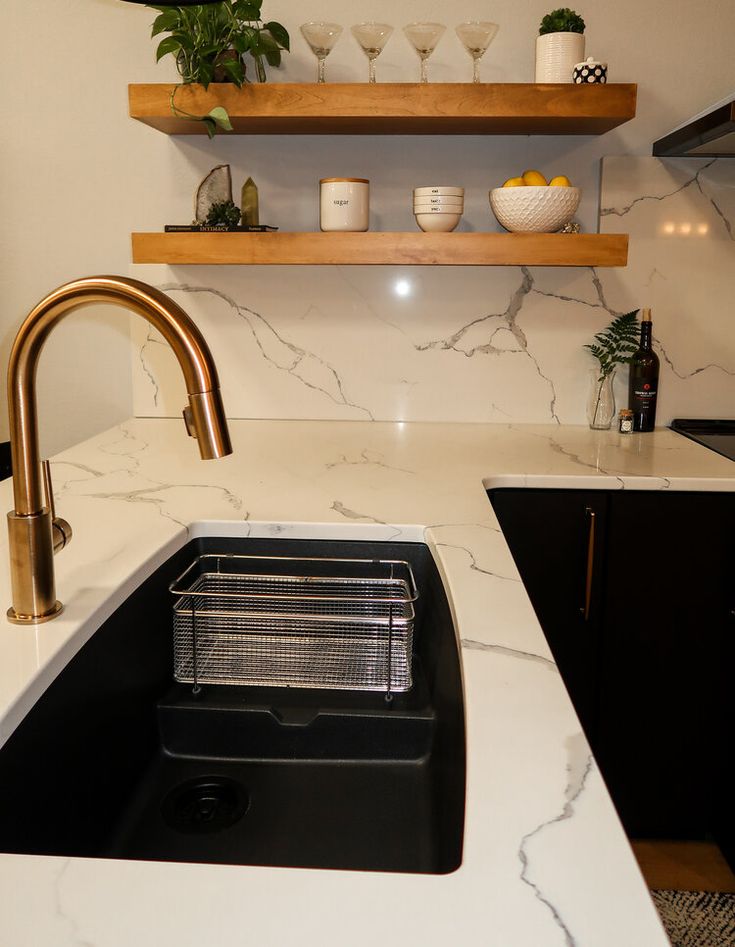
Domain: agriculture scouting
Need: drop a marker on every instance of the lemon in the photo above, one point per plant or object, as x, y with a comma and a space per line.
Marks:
534, 179
560, 180
514, 182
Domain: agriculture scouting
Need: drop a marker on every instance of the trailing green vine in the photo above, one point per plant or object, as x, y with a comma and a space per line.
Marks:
214, 119
210, 43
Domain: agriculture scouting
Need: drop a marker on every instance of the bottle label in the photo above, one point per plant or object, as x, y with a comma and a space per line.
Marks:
645, 393
643, 403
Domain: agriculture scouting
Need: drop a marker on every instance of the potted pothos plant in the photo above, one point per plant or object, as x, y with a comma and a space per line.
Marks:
559, 45
215, 43
612, 347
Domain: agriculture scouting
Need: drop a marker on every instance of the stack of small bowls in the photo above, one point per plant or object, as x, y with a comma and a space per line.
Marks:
438, 209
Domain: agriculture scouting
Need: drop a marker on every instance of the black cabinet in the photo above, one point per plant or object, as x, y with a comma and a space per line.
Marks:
635, 591
557, 538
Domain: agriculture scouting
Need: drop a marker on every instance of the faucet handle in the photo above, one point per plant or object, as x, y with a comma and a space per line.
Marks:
191, 428
48, 489
60, 529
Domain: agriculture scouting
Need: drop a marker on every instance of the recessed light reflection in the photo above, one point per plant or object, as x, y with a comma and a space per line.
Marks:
685, 228
402, 287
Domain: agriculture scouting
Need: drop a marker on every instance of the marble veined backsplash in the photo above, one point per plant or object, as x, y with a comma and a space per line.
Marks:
471, 343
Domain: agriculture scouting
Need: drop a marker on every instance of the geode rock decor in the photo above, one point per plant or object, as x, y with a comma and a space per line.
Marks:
216, 188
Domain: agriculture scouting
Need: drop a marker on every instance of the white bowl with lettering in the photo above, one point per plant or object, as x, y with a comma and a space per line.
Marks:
438, 190
438, 210
446, 202
439, 222
534, 209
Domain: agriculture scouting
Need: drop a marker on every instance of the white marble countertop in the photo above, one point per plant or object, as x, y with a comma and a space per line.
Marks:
545, 859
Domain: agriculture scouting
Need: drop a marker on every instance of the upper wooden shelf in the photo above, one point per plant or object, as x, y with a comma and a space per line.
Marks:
410, 249
436, 108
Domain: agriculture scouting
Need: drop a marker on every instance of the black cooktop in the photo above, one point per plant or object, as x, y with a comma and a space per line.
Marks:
718, 435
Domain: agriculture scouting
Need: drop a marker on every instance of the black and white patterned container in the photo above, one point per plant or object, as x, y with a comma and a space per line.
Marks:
589, 72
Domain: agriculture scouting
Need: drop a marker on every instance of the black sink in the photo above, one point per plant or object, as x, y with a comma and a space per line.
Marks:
117, 760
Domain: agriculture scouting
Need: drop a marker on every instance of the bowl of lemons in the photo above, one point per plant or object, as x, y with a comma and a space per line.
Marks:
531, 204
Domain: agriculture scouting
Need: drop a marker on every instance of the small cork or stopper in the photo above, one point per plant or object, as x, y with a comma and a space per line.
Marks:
646, 316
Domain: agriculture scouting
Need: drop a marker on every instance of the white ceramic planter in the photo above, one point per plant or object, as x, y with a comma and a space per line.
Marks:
556, 56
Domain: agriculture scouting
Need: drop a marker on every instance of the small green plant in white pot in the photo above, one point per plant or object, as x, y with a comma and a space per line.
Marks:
559, 45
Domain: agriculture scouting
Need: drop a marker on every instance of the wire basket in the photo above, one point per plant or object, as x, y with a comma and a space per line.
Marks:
343, 624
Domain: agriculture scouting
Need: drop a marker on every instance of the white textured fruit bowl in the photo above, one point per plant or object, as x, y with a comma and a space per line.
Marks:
534, 209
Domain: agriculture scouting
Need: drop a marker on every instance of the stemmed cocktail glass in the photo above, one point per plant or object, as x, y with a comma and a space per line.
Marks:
424, 37
476, 37
372, 37
321, 37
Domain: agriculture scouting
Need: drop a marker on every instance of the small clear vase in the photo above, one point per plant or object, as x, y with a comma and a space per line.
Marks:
601, 403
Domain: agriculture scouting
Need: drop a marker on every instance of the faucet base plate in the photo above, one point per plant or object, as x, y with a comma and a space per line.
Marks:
17, 619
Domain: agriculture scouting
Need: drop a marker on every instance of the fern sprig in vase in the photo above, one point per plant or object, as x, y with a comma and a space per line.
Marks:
612, 347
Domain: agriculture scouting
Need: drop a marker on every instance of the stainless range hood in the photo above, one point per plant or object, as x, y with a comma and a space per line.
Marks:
711, 134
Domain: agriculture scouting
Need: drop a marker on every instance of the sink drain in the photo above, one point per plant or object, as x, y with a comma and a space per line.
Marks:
206, 804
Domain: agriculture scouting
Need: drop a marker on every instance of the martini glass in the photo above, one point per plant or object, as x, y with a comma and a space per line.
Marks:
372, 37
424, 37
321, 37
476, 37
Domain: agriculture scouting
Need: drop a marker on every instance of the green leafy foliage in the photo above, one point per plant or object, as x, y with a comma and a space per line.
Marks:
223, 214
617, 343
220, 117
210, 42
562, 20
214, 119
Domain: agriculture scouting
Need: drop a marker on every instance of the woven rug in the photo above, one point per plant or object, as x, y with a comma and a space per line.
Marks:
697, 918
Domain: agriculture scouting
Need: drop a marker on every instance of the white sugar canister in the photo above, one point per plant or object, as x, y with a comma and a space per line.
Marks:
344, 204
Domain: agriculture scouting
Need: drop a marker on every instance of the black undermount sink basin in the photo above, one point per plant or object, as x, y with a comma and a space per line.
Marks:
117, 760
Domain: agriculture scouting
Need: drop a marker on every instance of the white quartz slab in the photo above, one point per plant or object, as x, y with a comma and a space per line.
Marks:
485, 344
545, 859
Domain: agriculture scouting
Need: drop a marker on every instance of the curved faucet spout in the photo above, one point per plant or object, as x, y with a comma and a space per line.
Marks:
32, 539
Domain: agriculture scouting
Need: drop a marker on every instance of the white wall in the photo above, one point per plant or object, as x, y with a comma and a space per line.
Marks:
78, 175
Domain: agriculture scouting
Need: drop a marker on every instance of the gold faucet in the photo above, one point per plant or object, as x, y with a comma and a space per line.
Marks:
35, 533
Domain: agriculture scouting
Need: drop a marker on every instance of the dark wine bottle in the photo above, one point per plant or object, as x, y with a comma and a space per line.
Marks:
643, 379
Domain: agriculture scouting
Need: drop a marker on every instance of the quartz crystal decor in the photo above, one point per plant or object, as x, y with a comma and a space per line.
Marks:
500, 344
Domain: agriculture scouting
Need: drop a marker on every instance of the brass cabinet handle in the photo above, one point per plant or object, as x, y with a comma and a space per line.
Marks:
592, 516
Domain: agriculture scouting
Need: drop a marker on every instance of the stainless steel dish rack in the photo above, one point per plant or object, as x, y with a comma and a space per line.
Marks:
343, 624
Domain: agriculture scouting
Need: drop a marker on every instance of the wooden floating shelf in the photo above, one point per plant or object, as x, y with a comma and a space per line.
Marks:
441, 108
413, 249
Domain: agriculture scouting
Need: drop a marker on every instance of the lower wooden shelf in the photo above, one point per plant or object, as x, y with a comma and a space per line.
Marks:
408, 249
